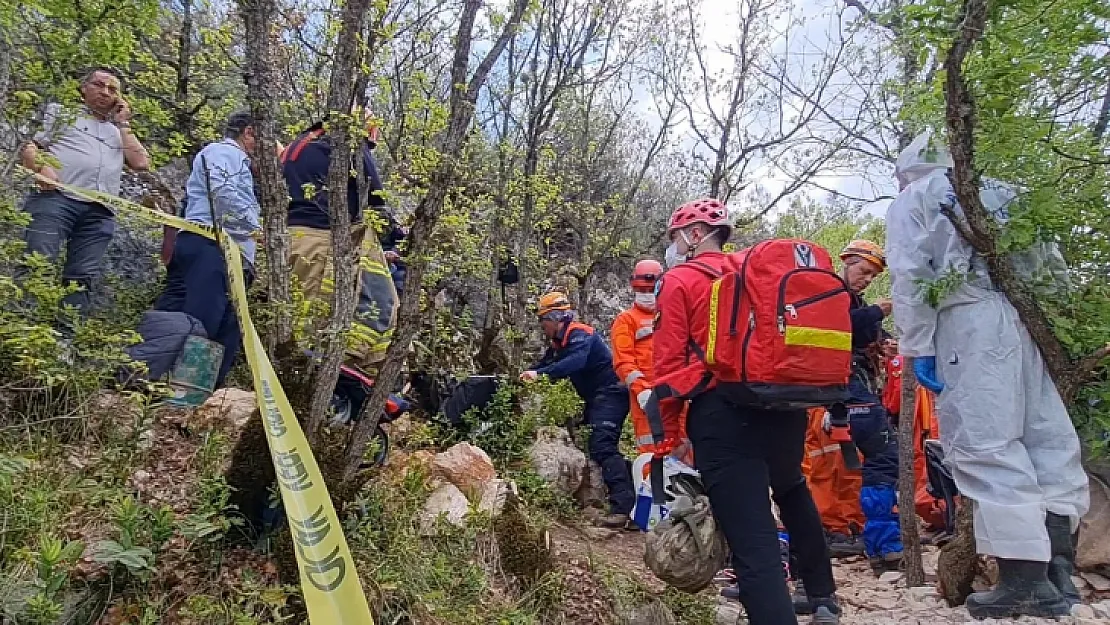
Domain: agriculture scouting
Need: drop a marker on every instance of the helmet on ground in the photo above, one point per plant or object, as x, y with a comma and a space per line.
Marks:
705, 210
867, 250
645, 274
552, 302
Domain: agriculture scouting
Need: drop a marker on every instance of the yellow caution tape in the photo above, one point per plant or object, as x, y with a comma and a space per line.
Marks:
330, 584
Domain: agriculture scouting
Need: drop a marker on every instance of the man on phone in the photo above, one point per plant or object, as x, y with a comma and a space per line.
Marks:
85, 148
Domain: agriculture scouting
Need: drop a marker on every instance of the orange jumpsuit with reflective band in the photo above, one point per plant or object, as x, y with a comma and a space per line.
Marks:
835, 487
929, 508
631, 336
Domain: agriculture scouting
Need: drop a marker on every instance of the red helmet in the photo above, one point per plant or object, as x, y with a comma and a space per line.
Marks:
705, 210
645, 274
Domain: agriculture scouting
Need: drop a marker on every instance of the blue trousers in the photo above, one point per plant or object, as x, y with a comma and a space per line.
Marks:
605, 414
197, 285
84, 228
875, 439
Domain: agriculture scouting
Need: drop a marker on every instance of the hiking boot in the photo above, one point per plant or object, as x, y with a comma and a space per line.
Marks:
1062, 565
800, 600
886, 563
825, 611
1023, 590
842, 546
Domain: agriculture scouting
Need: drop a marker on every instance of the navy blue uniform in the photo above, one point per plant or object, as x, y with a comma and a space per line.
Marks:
580, 355
873, 436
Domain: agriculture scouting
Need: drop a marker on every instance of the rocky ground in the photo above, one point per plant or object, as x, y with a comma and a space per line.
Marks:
865, 599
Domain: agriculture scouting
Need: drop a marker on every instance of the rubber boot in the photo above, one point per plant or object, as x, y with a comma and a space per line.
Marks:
1023, 590
801, 601
825, 611
1062, 565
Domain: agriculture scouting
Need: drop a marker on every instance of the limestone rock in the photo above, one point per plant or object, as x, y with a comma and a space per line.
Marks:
495, 494
728, 614
592, 492
227, 408
892, 577
448, 502
1096, 581
1083, 611
1102, 609
467, 467
1093, 552
555, 459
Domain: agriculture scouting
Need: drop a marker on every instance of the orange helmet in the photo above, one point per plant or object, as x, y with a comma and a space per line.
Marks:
645, 274
866, 250
551, 302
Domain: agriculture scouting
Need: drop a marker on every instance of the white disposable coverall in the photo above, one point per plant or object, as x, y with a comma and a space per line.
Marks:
1005, 432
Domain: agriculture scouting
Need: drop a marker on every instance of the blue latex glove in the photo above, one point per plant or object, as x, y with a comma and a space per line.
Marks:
925, 368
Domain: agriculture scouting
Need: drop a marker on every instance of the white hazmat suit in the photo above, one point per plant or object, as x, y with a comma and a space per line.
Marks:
1005, 432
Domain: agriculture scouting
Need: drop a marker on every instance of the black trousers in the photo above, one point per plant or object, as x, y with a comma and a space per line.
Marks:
741, 452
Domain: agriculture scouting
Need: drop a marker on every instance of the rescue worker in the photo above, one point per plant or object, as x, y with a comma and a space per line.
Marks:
740, 451
930, 509
834, 486
578, 353
1005, 432
870, 427
631, 338
304, 165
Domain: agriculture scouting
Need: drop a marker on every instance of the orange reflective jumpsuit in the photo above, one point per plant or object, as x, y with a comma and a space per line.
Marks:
835, 487
631, 335
929, 508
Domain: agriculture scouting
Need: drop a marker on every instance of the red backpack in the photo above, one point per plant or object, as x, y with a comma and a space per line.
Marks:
780, 332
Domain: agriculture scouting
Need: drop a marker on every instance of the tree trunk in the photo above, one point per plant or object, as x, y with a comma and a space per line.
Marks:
979, 227
907, 478
464, 95
259, 18
344, 135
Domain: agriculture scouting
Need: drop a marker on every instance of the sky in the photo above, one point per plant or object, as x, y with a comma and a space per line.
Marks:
816, 33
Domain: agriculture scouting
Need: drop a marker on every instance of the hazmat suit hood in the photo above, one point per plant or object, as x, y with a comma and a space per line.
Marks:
921, 157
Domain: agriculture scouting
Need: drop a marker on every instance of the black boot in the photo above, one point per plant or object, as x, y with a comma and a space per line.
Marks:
826, 611
1062, 565
1023, 590
800, 599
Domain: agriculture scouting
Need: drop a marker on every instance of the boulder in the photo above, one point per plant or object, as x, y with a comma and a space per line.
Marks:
227, 408
1093, 553
465, 466
447, 502
592, 491
495, 494
557, 461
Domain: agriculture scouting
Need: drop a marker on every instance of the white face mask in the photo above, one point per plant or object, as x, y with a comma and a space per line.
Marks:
645, 301
672, 258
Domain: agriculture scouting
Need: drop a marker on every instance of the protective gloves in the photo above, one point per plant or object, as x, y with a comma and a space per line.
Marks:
925, 368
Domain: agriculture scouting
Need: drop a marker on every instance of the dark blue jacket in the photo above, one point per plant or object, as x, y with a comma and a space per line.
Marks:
584, 358
305, 162
867, 329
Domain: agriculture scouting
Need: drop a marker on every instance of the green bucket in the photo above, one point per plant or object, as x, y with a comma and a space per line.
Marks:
194, 376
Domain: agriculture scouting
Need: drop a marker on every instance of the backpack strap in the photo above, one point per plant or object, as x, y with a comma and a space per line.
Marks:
293, 150
703, 267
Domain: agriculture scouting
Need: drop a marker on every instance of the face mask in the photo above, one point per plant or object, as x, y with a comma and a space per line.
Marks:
645, 301
672, 258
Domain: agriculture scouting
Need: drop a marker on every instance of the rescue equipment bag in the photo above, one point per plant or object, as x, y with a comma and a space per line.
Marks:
780, 331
